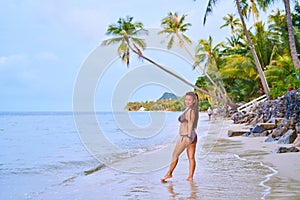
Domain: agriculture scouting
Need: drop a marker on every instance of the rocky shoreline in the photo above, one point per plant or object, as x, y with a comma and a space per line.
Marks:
278, 120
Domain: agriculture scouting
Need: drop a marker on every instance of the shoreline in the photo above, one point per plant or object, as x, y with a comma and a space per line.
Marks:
286, 165
234, 168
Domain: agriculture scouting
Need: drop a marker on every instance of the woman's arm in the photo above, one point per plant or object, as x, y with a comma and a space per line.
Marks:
191, 118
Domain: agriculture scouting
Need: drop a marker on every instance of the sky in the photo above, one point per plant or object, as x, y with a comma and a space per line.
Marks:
45, 46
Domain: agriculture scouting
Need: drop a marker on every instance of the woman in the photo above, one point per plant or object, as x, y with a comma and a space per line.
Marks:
188, 137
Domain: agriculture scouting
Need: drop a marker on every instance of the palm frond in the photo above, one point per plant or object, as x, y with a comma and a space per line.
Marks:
171, 42
209, 9
122, 48
111, 41
186, 39
140, 42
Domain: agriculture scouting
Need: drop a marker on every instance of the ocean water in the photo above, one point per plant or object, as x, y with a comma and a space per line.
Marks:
41, 149
43, 154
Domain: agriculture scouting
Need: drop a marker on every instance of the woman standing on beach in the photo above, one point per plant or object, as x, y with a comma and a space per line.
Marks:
188, 137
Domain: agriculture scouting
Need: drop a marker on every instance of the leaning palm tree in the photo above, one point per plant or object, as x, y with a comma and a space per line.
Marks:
209, 9
206, 52
126, 32
174, 27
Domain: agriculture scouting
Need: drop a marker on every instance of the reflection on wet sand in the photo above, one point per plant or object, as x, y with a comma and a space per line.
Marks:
189, 193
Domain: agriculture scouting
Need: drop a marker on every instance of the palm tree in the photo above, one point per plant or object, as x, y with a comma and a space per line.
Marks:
234, 24
291, 34
280, 69
209, 9
252, 8
281, 75
289, 23
206, 52
174, 26
265, 45
238, 69
126, 31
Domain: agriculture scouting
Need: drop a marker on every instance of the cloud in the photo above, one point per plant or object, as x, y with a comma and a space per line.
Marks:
4, 60
47, 56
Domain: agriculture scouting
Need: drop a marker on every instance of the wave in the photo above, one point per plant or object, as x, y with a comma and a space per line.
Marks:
267, 188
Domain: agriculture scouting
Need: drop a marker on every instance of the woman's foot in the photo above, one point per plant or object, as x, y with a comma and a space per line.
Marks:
166, 177
189, 179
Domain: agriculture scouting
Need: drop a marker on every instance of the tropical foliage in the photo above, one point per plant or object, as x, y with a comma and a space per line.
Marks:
231, 65
271, 43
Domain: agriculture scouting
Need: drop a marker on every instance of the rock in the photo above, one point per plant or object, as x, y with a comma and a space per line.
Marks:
257, 129
246, 134
285, 149
263, 134
288, 138
297, 128
282, 107
277, 120
279, 131
232, 133
296, 143
293, 149
281, 150
267, 126
292, 99
270, 139
255, 135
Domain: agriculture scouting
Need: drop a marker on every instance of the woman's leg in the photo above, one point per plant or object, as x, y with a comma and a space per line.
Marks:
179, 148
191, 149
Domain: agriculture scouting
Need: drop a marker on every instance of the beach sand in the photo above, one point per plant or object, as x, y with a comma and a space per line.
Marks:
285, 182
227, 168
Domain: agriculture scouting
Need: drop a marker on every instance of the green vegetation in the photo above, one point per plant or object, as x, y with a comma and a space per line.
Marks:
164, 105
254, 61
159, 105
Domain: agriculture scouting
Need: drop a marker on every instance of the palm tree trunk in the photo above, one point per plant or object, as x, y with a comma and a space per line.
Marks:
257, 63
291, 34
180, 78
204, 72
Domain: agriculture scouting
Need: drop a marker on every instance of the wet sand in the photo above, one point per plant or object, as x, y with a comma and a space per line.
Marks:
227, 168
285, 183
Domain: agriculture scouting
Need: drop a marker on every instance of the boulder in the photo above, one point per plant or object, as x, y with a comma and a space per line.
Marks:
297, 128
270, 139
277, 120
292, 99
279, 131
257, 129
288, 138
296, 143
267, 126
263, 134
286, 149
232, 133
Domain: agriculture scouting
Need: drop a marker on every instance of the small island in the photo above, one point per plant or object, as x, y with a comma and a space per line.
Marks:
167, 102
